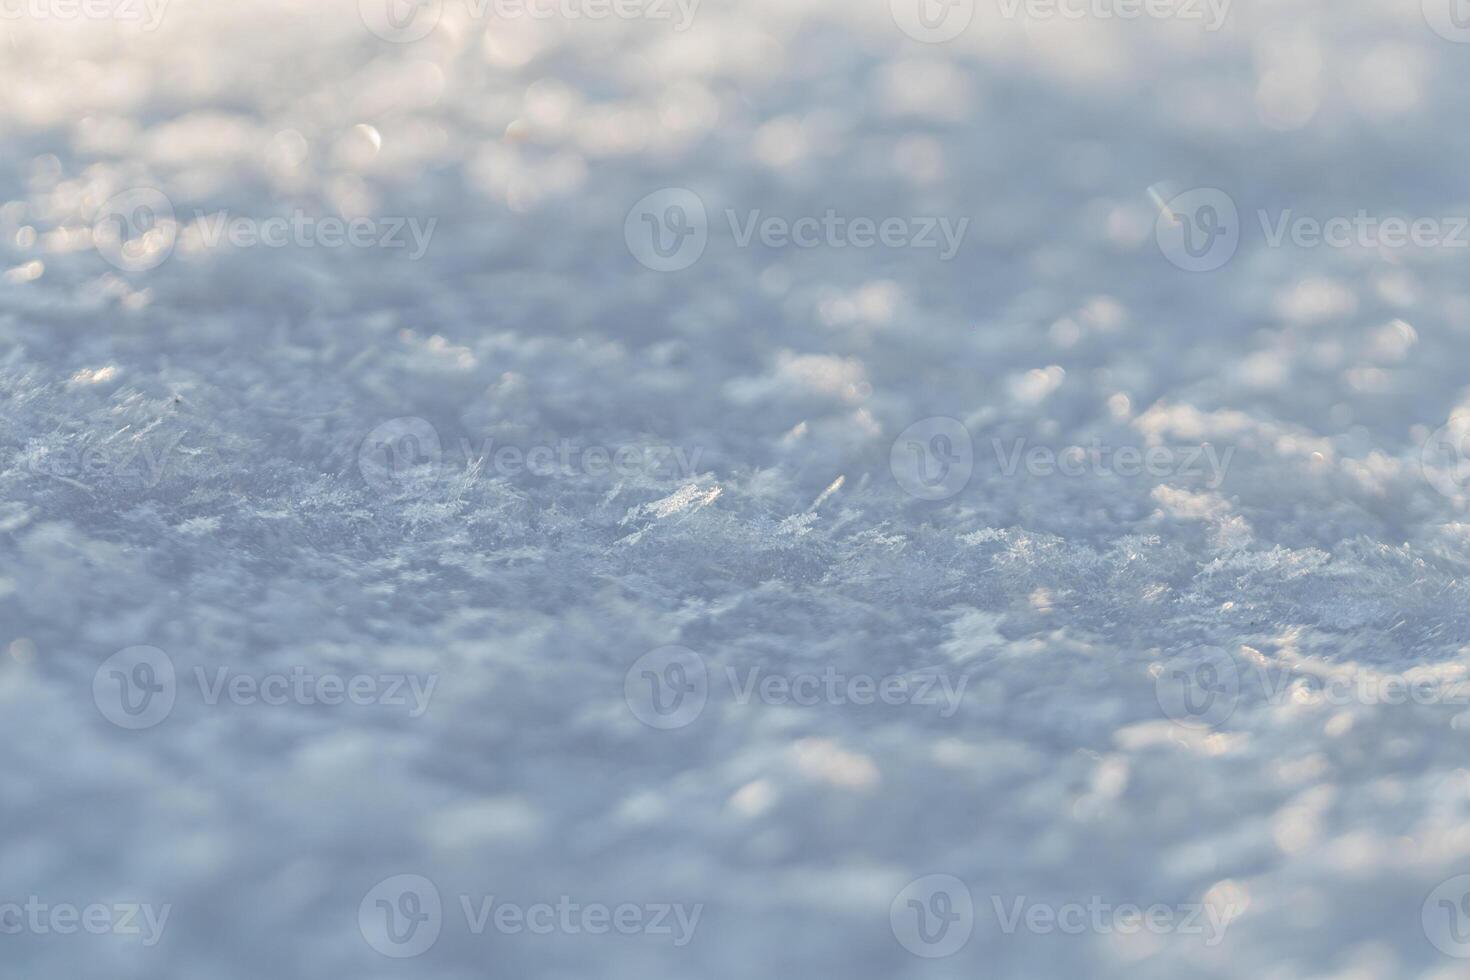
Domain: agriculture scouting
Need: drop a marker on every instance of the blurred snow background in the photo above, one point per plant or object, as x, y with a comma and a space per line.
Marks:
265, 540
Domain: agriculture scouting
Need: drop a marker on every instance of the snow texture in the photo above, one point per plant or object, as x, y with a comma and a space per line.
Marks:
203, 446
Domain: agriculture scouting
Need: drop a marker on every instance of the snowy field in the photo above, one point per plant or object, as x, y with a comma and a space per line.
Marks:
735, 489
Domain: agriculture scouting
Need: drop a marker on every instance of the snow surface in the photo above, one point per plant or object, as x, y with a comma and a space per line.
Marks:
782, 539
